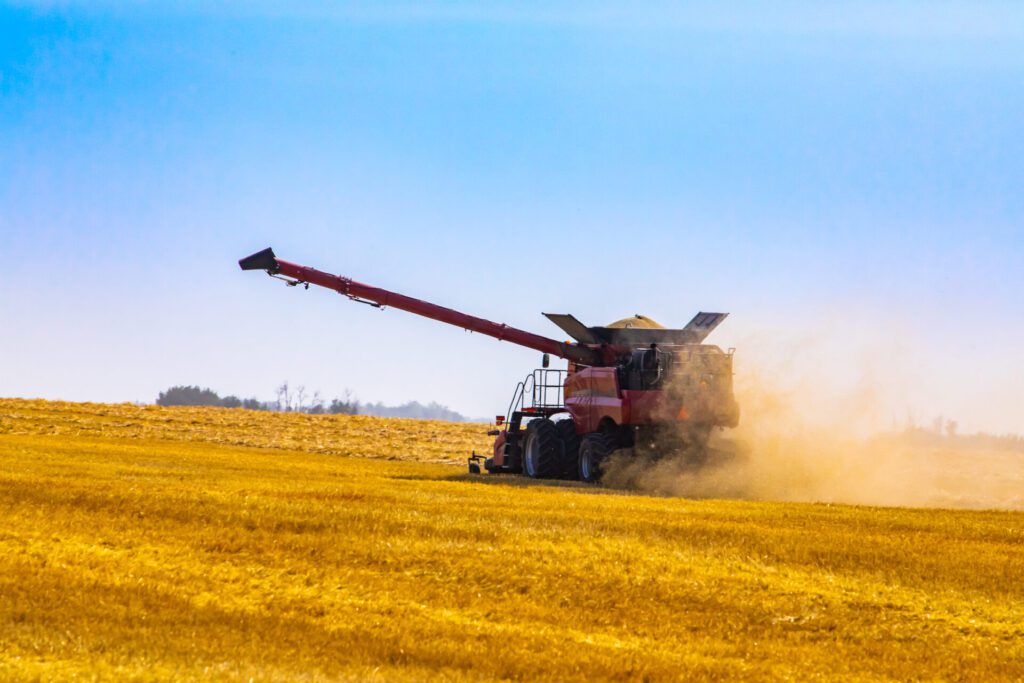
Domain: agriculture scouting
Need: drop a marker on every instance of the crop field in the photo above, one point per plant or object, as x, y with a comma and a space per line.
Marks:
146, 543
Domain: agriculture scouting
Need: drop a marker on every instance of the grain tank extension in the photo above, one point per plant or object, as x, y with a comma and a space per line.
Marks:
624, 383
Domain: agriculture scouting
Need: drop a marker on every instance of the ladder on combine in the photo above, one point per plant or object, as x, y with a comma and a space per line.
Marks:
540, 394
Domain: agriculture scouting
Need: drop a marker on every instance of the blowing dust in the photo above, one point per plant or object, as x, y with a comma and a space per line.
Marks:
798, 443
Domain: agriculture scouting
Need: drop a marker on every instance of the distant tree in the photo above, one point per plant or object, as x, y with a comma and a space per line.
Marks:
339, 407
347, 405
194, 396
188, 396
284, 398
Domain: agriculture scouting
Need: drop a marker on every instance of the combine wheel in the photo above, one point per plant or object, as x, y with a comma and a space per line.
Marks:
542, 453
570, 448
594, 449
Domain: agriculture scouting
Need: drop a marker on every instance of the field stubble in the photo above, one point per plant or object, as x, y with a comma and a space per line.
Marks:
146, 543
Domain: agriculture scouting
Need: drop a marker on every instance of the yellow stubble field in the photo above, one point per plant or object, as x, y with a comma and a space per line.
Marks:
145, 543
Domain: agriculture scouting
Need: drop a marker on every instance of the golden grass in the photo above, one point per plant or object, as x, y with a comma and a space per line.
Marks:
352, 435
173, 554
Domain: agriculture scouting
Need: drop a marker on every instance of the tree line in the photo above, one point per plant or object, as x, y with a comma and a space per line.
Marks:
298, 399
289, 400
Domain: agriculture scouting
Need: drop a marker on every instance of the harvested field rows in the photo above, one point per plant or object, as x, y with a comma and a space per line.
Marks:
361, 436
146, 543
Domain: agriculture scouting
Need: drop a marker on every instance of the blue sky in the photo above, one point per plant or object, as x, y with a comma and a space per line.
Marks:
846, 180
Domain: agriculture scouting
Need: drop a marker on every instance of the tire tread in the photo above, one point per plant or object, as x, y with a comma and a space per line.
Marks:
549, 450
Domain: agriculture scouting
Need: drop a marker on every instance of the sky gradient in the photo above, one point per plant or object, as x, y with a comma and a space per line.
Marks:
847, 181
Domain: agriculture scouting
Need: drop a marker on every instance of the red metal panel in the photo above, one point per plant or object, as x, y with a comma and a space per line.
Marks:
499, 448
645, 407
608, 407
594, 396
578, 399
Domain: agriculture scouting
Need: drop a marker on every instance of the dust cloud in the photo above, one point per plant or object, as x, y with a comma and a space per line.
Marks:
802, 441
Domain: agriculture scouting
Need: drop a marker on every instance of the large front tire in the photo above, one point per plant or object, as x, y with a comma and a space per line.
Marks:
570, 448
542, 452
594, 451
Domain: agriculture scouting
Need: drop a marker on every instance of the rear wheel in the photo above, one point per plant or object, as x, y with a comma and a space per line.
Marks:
542, 452
570, 448
594, 450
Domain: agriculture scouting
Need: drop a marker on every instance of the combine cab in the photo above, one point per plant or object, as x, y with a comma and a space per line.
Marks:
624, 382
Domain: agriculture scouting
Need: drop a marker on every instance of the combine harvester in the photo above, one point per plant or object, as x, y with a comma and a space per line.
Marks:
624, 383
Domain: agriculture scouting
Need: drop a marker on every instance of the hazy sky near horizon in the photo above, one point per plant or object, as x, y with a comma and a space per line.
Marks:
846, 179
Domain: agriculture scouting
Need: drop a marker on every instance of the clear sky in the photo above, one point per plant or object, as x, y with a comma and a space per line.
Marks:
847, 179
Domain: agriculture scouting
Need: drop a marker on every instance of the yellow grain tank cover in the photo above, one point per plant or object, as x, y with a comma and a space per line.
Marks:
638, 321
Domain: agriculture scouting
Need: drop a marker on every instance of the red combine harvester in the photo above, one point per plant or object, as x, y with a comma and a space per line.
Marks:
624, 383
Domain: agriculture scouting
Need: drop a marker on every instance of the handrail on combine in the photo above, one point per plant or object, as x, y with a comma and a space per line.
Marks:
517, 398
543, 389
539, 391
